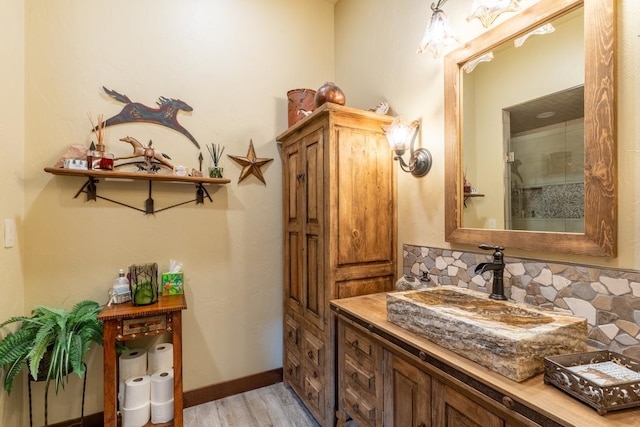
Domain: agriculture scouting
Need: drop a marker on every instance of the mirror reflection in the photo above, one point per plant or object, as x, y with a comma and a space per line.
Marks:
523, 131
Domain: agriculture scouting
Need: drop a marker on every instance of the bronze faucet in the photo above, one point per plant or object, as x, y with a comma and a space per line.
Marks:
497, 266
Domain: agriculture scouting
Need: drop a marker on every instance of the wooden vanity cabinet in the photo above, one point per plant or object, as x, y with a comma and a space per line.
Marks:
339, 240
424, 384
382, 386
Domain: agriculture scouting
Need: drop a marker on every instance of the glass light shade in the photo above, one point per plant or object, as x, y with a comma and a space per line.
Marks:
486, 11
399, 134
471, 65
545, 29
438, 34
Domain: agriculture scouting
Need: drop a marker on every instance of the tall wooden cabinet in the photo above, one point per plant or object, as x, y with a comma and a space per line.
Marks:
340, 228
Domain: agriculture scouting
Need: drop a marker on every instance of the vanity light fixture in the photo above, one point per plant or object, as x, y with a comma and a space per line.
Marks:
545, 115
486, 11
438, 34
401, 136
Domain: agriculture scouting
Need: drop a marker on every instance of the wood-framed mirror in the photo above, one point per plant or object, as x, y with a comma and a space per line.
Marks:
598, 235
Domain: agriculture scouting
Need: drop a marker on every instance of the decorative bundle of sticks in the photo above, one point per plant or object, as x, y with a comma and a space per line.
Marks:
99, 128
216, 151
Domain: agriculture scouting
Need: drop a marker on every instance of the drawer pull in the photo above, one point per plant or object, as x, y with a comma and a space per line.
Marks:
355, 344
354, 375
508, 402
290, 334
310, 354
356, 407
423, 356
309, 396
290, 371
315, 374
422, 425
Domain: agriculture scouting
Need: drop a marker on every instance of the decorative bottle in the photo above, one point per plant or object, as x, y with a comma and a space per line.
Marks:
120, 292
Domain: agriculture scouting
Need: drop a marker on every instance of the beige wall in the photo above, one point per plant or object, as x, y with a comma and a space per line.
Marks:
233, 62
12, 181
376, 58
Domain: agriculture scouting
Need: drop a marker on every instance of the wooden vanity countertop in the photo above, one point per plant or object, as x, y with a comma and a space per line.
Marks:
534, 393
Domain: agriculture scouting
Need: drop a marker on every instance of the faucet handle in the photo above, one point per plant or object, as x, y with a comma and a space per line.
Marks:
490, 248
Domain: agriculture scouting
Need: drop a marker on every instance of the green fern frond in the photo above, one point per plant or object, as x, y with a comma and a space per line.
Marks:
13, 319
11, 371
14, 344
76, 352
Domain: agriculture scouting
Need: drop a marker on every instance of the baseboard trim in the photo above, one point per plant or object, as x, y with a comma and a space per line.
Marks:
200, 395
229, 388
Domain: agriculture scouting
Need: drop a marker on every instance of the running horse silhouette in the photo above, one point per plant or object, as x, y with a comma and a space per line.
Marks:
164, 115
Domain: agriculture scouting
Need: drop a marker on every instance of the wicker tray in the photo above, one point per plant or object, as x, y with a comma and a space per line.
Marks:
602, 379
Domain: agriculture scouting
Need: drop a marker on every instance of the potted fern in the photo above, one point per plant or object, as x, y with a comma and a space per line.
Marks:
52, 342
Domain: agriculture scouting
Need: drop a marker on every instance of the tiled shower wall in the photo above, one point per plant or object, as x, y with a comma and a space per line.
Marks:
608, 298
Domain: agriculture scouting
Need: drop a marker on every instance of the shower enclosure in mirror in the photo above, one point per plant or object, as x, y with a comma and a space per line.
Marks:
545, 163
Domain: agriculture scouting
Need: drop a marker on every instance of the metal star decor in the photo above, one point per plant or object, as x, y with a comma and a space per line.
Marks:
250, 164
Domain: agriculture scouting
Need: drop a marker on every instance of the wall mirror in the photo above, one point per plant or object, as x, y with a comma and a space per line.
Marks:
547, 186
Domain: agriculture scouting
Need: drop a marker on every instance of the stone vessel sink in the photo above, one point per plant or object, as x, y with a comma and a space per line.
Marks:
508, 338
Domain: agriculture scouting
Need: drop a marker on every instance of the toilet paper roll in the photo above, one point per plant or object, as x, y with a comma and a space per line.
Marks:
162, 412
120, 393
137, 391
162, 386
133, 364
136, 417
160, 358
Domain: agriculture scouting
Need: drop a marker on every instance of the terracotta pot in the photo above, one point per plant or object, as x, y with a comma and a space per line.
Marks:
329, 92
301, 102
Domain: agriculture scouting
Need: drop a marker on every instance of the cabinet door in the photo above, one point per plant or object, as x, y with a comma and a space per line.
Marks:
292, 205
313, 210
364, 188
453, 409
407, 394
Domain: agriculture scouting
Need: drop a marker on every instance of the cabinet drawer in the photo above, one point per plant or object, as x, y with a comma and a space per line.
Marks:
313, 394
359, 374
358, 344
313, 351
292, 333
292, 369
143, 326
359, 408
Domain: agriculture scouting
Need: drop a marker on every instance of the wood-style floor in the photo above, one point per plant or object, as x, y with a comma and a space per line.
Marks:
272, 406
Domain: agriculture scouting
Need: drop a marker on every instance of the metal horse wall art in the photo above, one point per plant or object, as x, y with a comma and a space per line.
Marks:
165, 115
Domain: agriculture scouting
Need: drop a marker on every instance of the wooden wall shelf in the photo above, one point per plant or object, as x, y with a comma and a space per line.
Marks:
93, 176
468, 195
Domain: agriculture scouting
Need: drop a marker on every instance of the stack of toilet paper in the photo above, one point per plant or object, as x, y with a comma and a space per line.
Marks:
161, 370
146, 385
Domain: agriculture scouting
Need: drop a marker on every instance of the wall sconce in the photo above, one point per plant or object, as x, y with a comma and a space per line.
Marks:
401, 136
438, 34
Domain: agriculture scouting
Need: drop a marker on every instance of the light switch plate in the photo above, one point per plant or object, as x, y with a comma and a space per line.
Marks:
9, 233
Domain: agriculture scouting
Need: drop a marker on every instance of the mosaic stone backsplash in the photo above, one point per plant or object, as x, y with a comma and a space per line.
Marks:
608, 298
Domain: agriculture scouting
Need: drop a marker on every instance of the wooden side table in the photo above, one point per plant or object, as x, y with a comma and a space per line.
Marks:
123, 322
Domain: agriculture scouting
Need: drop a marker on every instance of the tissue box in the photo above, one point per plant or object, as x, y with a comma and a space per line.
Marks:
172, 283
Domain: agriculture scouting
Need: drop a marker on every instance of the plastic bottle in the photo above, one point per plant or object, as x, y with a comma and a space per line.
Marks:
120, 290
